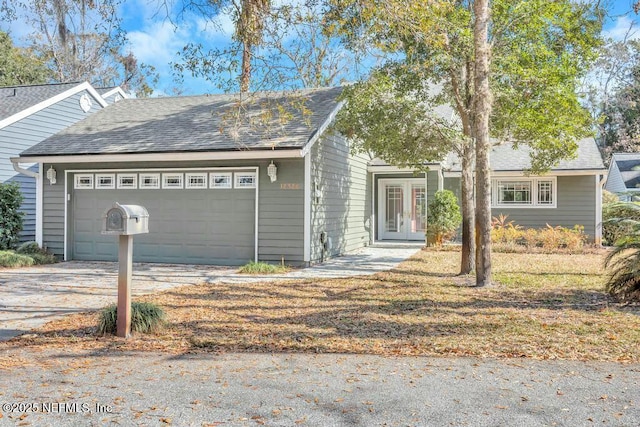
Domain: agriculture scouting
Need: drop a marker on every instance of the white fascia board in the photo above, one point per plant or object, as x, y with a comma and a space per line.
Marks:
559, 172
586, 172
115, 90
395, 169
49, 102
163, 157
323, 127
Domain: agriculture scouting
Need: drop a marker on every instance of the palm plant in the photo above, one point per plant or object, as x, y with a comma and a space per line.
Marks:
624, 260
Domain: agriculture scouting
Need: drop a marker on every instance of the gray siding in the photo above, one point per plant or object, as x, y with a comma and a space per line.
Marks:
29, 131
576, 204
615, 183
281, 207
281, 213
343, 208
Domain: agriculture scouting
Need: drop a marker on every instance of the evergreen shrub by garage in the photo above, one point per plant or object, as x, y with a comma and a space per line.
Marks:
11, 220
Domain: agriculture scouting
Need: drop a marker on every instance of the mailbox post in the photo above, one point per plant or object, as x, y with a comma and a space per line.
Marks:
125, 221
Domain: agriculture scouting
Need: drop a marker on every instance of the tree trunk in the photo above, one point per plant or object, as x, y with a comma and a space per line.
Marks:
468, 211
245, 76
482, 111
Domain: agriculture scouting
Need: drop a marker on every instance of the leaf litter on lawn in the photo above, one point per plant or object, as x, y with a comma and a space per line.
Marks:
543, 306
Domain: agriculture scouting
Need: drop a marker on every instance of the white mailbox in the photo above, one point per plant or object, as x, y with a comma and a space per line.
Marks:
125, 220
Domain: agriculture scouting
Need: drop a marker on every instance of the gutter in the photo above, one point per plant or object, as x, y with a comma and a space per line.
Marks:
15, 162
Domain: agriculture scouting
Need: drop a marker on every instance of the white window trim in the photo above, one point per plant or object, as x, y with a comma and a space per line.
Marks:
214, 175
78, 186
534, 192
127, 175
143, 176
239, 175
167, 176
188, 177
110, 186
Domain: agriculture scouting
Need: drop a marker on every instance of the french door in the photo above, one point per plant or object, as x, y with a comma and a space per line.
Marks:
402, 209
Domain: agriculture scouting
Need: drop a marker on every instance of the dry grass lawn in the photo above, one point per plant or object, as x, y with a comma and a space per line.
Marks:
542, 306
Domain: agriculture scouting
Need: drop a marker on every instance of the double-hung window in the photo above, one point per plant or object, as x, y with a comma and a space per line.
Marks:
524, 192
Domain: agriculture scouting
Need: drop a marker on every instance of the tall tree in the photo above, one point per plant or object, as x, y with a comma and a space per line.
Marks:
82, 40
482, 104
20, 66
273, 47
620, 125
538, 51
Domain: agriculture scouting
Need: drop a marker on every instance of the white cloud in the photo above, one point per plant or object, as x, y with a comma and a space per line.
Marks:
623, 27
158, 42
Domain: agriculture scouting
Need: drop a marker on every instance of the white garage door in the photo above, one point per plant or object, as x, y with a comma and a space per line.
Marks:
211, 222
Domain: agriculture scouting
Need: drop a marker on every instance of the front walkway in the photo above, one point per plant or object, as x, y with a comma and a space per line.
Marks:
33, 296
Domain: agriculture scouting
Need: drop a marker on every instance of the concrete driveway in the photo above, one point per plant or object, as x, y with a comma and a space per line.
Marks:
33, 296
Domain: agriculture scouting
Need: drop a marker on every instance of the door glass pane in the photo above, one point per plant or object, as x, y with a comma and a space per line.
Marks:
418, 208
393, 208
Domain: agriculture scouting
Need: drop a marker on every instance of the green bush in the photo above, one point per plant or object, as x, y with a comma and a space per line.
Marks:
145, 317
443, 217
253, 267
29, 248
624, 265
10, 215
614, 226
12, 260
38, 254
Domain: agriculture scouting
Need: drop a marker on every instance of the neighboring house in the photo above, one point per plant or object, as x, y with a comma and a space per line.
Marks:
29, 115
290, 191
624, 175
111, 95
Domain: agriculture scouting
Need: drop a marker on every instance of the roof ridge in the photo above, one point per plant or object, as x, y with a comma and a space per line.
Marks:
41, 84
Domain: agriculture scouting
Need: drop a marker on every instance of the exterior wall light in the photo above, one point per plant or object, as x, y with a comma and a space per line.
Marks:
272, 171
51, 175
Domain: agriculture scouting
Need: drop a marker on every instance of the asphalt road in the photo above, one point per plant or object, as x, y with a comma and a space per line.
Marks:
314, 390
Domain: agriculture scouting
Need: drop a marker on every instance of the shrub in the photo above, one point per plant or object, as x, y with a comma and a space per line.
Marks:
609, 197
614, 226
10, 215
145, 317
443, 217
507, 235
253, 267
624, 265
12, 260
38, 254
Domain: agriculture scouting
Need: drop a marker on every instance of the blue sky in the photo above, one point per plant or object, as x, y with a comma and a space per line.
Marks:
155, 41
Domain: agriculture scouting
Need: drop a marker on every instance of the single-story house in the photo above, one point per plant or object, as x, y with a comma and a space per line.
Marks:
29, 115
268, 189
623, 178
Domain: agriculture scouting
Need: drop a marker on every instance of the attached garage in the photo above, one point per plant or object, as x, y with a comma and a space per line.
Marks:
195, 216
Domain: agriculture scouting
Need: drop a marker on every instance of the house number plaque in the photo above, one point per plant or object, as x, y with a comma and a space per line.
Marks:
290, 186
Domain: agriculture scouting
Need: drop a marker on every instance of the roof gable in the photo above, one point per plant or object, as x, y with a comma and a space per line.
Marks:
17, 102
14, 99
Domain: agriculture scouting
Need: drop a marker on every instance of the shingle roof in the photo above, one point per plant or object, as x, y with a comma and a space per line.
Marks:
194, 123
506, 158
629, 167
14, 99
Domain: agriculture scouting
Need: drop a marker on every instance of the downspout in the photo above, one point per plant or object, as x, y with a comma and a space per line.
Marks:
16, 165
600, 185
15, 162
